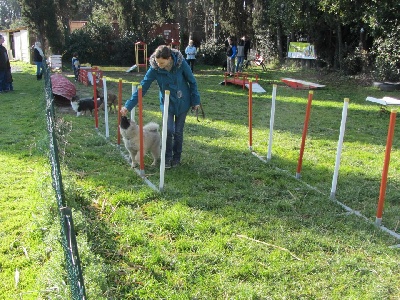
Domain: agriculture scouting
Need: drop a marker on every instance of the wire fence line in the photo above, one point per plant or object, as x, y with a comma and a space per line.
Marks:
68, 236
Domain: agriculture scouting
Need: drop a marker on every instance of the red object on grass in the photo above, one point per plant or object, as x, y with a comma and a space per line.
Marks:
62, 87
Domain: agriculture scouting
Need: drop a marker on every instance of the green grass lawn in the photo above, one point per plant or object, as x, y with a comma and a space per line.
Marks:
228, 225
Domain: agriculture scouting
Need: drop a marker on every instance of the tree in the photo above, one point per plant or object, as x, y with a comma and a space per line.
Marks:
10, 12
41, 17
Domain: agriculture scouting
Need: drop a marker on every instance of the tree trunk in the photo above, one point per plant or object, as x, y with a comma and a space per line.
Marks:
339, 44
279, 41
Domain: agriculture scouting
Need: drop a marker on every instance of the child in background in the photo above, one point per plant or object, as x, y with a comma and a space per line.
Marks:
76, 65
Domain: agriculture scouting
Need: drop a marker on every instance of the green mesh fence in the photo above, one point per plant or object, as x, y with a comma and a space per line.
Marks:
68, 238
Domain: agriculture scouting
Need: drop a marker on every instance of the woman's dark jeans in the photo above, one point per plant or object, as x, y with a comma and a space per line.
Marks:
175, 137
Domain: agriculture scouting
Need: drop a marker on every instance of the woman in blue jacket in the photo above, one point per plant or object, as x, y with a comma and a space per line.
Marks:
171, 71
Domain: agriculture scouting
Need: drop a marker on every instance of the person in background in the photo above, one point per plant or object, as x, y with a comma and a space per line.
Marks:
230, 57
240, 55
38, 57
5, 68
247, 62
76, 65
246, 46
171, 71
10, 80
191, 54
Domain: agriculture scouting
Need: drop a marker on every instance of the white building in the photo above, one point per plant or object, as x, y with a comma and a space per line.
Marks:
18, 43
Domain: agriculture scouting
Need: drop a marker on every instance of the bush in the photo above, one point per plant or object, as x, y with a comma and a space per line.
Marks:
355, 63
212, 53
97, 44
387, 62
265, 44
123, 50
154, 43
79, 41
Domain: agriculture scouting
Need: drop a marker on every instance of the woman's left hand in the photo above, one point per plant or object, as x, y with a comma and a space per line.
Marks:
124, 111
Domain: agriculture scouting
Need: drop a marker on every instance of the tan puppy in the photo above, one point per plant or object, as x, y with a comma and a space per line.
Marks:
151, 136
112, 100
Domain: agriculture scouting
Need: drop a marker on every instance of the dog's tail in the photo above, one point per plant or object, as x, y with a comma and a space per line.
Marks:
125, 122
151, 126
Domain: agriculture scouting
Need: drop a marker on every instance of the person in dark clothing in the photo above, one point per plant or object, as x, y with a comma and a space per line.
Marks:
246, 46
5, 68
230, 57
38, 58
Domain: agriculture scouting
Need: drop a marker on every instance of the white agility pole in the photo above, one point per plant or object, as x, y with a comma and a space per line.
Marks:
134, 89
105, 105
271, 122
339, 148
164, 140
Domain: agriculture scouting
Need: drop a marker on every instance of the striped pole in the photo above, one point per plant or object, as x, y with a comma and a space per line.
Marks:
382, 191
141, 138
271, 121
105, 104
119, 110
164, 140
250, 115
96, 119
339, 148
305, 128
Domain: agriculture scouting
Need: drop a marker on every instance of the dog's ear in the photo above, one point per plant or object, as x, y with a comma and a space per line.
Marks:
125, 122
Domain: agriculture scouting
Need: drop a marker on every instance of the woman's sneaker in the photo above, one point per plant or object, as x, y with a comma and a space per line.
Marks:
168, 164
175, 163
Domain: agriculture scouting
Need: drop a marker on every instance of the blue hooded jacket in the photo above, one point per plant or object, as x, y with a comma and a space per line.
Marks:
179, 78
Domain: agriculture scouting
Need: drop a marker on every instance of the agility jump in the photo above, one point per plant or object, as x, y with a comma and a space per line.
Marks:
242, 79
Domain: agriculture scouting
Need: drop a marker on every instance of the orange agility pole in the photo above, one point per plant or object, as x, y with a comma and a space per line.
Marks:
141, 154
303, 139
389, 143
96, 118
119, 110
250, 115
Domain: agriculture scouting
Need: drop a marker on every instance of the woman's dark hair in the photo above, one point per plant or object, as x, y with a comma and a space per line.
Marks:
163, 51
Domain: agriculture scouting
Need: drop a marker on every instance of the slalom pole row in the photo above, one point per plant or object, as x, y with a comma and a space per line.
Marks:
389, 143
135, 87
